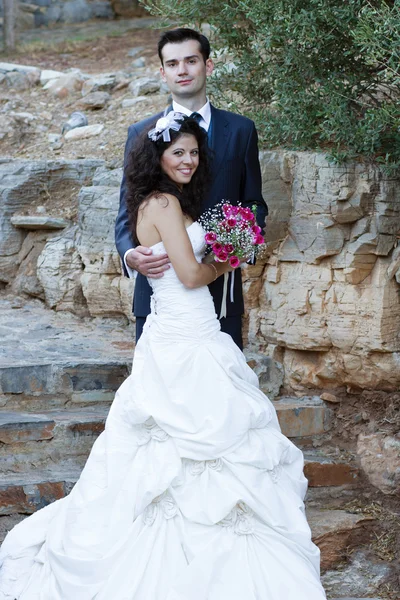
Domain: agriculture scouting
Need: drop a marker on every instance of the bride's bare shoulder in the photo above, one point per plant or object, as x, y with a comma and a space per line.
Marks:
161, 204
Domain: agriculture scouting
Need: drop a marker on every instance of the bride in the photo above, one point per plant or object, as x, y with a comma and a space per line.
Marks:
191, 492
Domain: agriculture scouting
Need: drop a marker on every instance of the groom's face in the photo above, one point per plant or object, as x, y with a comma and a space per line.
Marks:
184, 69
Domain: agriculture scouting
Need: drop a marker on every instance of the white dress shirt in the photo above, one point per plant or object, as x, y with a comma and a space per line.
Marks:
205, 113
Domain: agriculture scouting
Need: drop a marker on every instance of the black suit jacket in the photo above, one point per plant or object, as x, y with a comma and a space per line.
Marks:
236, 177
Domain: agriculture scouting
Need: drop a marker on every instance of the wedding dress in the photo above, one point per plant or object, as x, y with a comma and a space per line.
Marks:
191, 492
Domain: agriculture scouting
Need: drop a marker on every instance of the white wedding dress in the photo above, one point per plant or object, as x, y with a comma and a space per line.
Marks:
191, 492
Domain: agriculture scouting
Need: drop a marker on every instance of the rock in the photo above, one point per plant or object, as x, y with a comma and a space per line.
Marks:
33, 222
48, 74
269, 373
82, 133
23, 117
101, 280
138, 63
107, 177
26, 280
103, 82
335, 532
20, 183
20, 81
144, 86
362, 576
380, 459
303, 417
59, 270
135, 51
128, 9
129, 102
326, 397
9, 67
94, 100
62, 86
6, 126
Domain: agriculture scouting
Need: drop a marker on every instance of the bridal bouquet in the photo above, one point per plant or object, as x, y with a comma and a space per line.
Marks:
235, 236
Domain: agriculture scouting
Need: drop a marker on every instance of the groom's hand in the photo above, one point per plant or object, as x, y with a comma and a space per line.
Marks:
141, 259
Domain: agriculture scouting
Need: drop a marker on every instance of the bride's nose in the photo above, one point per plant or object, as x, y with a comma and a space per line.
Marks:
188, 159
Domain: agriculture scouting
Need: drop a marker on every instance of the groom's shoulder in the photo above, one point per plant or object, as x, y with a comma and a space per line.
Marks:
234, 119
137, 128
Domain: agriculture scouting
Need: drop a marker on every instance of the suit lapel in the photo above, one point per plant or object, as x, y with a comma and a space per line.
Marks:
220, 136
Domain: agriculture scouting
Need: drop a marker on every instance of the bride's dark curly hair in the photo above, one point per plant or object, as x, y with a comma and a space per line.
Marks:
144, 176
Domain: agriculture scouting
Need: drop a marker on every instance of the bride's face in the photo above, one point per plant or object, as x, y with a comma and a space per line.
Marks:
181, 159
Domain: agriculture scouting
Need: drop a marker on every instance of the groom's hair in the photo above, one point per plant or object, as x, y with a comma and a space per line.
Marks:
177, 36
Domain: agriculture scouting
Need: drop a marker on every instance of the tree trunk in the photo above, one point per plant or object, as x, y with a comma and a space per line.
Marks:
10, 9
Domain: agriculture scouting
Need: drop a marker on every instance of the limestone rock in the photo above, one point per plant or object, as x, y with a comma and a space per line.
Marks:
139, 63
107, 177
62, 86
135, 51
129, 102
94, 101
59, 271
48, 74
380, 459
82, 133
269, 373
103, 82
144, 86
26, 280
335, 531
20, 183
101, 281
38, 222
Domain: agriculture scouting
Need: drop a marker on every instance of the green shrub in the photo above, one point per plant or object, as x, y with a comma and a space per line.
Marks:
311, 73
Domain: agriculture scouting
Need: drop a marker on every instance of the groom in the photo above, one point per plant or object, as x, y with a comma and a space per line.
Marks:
235, 170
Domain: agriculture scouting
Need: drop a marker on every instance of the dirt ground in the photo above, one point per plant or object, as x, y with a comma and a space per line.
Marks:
99, 47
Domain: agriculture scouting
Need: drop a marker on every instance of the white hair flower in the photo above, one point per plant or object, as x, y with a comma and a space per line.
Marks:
164, 125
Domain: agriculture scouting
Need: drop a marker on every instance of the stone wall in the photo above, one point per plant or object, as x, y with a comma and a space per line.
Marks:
328, 306
323, 305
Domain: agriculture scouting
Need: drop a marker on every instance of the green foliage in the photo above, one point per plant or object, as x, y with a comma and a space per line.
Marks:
311, 73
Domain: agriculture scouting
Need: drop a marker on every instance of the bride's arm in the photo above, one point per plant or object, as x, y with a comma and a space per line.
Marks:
166, 214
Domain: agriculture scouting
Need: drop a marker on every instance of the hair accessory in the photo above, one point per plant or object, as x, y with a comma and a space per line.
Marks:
164, 125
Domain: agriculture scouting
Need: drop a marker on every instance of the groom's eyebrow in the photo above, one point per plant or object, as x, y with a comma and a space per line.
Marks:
170, 60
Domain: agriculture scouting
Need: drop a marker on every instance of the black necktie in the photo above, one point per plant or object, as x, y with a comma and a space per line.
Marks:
197, 117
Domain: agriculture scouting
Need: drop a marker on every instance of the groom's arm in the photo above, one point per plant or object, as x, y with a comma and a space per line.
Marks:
251, 192
123, 237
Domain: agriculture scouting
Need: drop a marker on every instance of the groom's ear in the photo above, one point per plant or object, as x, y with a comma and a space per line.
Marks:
209, 66
162, 73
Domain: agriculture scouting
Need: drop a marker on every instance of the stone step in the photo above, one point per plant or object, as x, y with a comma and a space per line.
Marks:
324, 469
337, 532
27, 493
35, 439
48, 358
44, 440
303, 417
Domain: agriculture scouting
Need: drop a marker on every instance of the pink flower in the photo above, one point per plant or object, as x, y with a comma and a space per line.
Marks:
256, 229
247, 214
222, 256
227, 210
234, 261
210, 237
259, 239
231, 222
235, 210
229, 248
217, 247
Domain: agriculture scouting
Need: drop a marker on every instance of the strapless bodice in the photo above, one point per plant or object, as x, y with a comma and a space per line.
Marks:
177, 309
